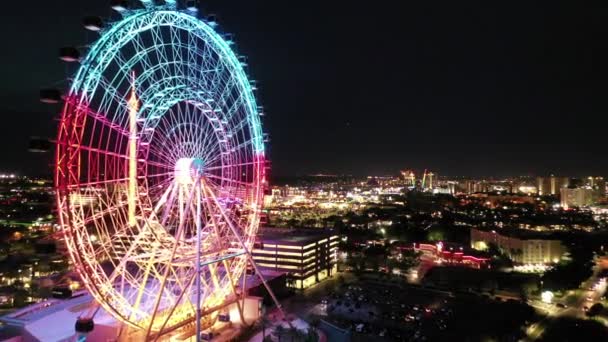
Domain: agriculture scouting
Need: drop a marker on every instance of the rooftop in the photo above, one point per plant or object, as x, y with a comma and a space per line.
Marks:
298, 237
523, 234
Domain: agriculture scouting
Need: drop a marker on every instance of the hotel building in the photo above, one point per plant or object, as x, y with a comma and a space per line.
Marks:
306, 258
520, 249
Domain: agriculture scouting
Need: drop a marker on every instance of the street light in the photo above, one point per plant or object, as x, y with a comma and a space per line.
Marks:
547, 297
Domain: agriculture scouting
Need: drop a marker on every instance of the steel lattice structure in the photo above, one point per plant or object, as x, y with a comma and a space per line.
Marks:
160, 169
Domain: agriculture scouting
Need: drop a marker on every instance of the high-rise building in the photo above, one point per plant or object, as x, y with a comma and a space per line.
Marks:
471, 186
598, 184
577, 197
551, 185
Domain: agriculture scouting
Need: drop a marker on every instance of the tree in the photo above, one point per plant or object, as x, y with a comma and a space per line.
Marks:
527, 289
570, 329
595, 310
311, 336
436, 234
314, 324
357, 263
409, 260
391, 264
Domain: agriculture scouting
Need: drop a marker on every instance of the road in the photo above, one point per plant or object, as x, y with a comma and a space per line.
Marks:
590, 293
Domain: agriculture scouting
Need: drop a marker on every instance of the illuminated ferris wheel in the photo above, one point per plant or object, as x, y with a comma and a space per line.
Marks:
160, 167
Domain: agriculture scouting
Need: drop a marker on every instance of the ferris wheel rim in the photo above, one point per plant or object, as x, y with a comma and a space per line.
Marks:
256, 161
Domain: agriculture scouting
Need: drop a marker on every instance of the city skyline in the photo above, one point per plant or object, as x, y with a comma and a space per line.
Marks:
370, 90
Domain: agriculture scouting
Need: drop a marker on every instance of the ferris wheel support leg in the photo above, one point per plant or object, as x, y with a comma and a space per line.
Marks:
198, 261
179, 299
221, 243
166, 273
133, 105
244, 285
247, 251
239, 305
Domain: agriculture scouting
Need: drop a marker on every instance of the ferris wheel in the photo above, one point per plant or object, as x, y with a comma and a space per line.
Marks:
160, 167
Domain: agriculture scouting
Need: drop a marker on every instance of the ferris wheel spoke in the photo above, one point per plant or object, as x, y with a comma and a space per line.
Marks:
162, 174
164, 278
230, 181
223, 167
160, 165
161, 159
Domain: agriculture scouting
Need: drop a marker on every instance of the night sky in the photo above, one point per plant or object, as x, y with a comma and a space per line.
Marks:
371, 88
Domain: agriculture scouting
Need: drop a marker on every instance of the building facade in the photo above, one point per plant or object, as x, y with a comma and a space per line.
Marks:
577, 197
307, 259
519, 250
598, 184
551, 185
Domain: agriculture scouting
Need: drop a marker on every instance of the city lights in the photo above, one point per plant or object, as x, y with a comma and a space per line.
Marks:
547, 297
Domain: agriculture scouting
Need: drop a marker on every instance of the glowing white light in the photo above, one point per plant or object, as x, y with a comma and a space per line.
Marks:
547, 297
186, 169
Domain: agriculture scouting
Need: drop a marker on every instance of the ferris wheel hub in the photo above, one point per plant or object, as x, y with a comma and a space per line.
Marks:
188, 169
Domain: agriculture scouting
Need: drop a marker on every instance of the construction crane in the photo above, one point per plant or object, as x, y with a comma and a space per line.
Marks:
428, 175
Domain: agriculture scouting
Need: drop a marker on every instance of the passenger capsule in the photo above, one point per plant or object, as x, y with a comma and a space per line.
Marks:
93, 23
69, 54
50, 95
120, 5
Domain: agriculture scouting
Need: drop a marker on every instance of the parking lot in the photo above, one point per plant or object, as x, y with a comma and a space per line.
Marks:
383, 310
386, 311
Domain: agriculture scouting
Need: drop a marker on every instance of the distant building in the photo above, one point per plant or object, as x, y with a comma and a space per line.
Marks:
520, 250
598, 184
577, 197
494, 200
453, 254
306, 258
409, 177
472, 186
551, 185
